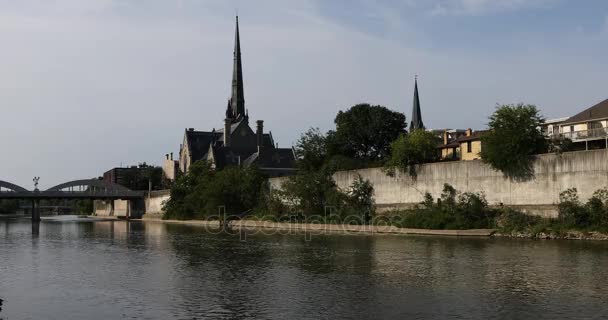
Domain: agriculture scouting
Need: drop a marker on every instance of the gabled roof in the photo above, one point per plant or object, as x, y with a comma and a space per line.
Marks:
451, 144
199, 141
598, 111
476, 135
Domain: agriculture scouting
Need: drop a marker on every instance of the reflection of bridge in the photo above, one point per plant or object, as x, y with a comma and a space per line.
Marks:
79, 189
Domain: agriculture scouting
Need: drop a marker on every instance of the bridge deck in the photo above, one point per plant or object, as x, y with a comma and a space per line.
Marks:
93, 195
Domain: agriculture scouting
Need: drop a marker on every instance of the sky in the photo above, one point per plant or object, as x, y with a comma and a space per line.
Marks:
88, 85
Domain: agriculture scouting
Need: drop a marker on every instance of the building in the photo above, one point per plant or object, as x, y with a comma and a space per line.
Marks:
140, 177
170, 168
552, 126
457, 146
449, 148
587, 129
236, 143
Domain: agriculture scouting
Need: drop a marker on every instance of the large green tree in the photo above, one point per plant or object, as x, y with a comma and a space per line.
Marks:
365, 132
203, 190
513, 140
419, 146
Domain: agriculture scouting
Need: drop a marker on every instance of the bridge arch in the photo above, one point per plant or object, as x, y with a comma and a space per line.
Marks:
11, 186
92, 183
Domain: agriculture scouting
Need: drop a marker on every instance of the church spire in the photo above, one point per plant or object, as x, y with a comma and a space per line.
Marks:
237, 100
416, 114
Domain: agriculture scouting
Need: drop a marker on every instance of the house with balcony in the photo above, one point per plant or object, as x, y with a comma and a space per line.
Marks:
587, 129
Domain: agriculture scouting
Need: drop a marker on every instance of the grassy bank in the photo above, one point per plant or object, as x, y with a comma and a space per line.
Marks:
455, 211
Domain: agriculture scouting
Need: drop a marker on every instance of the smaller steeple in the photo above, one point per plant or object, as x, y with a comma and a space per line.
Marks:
416, 122
229, 113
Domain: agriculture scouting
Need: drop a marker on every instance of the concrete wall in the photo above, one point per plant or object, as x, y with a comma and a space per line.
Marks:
151, 205
122, 208
585, 170
154, 203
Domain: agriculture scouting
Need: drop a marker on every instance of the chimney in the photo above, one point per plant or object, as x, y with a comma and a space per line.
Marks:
167, 156
469, 132
171, 155
445, 136
227, 124
190, 129
260, 134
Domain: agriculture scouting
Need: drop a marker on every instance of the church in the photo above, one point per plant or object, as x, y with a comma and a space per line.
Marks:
236, 143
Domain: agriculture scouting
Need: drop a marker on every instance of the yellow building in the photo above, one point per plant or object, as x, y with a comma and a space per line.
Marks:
464, 147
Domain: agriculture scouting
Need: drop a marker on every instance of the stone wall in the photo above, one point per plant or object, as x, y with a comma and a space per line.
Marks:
585, 170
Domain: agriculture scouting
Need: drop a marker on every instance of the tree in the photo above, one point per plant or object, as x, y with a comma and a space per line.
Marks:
417, 147
365, 132
513, 140
311, 150
200, 192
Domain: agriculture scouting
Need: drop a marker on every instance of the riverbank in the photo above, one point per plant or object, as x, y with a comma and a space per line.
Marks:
350, 229
328, 228
568, 235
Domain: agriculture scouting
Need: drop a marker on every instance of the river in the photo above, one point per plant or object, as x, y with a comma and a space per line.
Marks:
70, 268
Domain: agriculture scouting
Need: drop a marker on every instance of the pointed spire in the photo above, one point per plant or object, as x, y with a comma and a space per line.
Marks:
237, 100
416, 122
229, 112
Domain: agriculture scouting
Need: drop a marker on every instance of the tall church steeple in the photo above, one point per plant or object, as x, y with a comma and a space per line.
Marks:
237, 100
416, 122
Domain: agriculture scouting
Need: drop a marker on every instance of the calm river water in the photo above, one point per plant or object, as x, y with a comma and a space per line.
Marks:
77, 269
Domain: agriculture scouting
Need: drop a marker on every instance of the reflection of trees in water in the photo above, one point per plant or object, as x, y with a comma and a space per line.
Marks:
217, 274
334, 253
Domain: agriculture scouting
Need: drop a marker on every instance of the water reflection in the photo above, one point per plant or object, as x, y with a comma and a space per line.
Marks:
76, 268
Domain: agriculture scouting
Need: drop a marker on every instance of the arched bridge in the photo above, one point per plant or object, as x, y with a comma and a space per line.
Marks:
79, 189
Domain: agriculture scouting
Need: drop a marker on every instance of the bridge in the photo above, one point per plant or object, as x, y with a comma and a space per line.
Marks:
92, 189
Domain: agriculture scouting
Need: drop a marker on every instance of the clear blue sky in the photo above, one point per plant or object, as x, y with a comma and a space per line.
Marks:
88, 85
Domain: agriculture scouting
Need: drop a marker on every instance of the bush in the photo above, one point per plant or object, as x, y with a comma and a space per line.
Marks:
315, 197
452, 211
510, 220
592, 215
202, 191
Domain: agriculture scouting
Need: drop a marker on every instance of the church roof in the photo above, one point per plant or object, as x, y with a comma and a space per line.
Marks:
272, 158
199, 141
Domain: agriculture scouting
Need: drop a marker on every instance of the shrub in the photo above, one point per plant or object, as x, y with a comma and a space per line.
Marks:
510, 220
571, 211
200, 192
452, 211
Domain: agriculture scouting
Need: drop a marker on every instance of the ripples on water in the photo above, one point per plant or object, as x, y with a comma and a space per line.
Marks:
80, 269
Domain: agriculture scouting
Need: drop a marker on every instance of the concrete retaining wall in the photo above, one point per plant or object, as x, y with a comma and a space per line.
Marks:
154, 203
585, 170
